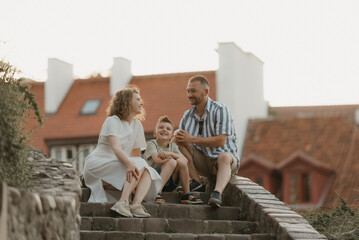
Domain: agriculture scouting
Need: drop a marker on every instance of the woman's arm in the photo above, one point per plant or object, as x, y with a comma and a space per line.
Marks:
132, 170
136, 152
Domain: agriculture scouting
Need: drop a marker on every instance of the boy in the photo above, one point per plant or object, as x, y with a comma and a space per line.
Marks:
165, 157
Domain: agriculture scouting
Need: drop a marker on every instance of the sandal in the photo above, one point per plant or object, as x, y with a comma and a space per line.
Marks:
189, 198
159, 199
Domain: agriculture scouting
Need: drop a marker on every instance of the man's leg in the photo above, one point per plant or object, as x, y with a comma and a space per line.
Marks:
224, 162
187, 151
224, 172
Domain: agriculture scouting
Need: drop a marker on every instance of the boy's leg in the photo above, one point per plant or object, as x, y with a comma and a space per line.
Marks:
166, 171
182, 173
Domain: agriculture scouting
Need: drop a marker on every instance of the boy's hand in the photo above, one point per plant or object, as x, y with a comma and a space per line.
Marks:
162, 155
165, 155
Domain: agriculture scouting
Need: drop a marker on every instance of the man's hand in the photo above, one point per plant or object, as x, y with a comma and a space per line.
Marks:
132, 171
183, 136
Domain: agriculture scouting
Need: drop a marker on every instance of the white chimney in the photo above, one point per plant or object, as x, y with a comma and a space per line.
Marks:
239, 85
59, 81
357, 116
121, 74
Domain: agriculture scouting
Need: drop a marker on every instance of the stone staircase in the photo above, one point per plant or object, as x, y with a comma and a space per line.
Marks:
249, 212
169, 221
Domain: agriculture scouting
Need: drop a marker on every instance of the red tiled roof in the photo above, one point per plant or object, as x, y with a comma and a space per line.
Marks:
346, 111
326, 139
309, 160
162, 94
347, 185
165, 94
330, 140
252, 158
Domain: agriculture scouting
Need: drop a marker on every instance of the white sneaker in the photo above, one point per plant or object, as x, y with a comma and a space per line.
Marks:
123, 208
140, 211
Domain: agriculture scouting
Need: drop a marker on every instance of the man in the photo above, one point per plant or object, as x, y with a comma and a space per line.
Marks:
207, 138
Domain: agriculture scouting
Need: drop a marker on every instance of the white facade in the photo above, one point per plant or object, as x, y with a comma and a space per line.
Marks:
239, 85
121, 74
59, 80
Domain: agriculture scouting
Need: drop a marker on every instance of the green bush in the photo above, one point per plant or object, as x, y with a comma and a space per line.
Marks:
339, 223
16, 105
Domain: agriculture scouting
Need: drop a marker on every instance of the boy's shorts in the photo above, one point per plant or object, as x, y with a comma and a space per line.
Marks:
170, 184
207, 166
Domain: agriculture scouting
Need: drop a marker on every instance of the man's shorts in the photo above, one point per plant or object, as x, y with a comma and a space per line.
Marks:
170, 184
207, 166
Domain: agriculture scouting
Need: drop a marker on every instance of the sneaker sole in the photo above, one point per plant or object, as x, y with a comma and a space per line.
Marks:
142, 216
214, 203
191, 202
123, 215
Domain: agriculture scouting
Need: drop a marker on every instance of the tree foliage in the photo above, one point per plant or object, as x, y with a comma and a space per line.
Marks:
338, 223
17, 104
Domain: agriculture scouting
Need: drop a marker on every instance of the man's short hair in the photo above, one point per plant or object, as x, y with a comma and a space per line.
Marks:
166, 119
200, 78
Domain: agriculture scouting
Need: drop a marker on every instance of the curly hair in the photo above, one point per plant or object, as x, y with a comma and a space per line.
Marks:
120, 104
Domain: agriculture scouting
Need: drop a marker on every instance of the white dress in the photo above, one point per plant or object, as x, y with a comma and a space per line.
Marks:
103, 164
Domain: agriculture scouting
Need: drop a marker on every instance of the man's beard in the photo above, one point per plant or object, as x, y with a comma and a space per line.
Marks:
197, 100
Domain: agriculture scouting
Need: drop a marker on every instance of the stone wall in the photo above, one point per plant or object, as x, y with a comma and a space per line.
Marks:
50, 208
273, 216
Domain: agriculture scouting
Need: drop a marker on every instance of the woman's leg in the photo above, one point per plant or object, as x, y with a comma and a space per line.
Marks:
143, 186
128, 187
166, 171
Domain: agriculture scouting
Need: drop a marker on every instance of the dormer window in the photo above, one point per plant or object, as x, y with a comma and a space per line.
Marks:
299, 188
90, 107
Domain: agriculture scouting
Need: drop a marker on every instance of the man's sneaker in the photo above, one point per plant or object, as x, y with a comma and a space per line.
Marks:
139, 211
122, 208
189, 198
195, 186
216, 199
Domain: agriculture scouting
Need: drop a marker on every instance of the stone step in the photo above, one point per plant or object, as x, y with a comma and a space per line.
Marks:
170, 197
168, 210
169, 225
115, 235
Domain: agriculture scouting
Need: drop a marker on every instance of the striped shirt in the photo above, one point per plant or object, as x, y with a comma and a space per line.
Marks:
216, 120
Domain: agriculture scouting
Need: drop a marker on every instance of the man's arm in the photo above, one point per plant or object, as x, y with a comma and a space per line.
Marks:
216, 141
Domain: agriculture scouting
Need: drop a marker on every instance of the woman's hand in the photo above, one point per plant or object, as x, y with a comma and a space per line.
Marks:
132, 171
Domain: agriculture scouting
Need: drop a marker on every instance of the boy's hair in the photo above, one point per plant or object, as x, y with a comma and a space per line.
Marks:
166, 119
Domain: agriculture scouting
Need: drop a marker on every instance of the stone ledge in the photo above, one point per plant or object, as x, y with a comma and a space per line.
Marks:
273, 216
50, 208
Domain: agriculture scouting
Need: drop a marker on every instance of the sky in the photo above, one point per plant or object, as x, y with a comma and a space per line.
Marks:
309, 48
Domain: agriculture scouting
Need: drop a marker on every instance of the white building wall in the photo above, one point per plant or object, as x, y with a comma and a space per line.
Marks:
59, 80
121, 74
240, 86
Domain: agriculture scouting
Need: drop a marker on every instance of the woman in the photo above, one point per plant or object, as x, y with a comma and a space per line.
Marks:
116, 160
